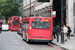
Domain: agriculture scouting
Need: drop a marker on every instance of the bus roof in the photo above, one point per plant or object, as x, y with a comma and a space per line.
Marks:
33, 17
36, 17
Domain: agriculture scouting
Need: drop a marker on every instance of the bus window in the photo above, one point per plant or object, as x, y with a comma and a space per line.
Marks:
15, 19
41, 24
23, 25
27, 25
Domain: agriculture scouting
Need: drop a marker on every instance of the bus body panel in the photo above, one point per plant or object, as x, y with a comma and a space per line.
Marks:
15, 28
1, 23
14, 23
42, 34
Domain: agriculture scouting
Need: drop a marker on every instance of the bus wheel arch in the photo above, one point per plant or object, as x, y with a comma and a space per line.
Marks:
10, 28
50, 41
27, 38
23, 36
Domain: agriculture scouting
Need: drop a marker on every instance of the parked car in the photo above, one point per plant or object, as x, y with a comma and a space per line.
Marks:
5, 27
19, 31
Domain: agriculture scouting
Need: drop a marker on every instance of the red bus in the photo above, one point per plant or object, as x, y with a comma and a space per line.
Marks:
39, 29
1, 23
14, 23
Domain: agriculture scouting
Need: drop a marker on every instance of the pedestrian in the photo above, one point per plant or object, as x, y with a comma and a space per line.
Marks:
0, 29
57, 29
65, 30
69, 31
54, 32
57, 33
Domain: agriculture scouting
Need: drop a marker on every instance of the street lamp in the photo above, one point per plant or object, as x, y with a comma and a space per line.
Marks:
30, 7
63, 16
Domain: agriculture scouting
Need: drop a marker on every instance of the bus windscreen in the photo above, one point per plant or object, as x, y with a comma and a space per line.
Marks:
15, 21
40, 24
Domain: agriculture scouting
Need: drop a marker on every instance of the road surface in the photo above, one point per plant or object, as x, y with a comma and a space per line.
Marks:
10, 40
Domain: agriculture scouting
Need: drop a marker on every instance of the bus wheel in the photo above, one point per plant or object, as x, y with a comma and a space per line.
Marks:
27, 39
50, 41
23, 38
10, 28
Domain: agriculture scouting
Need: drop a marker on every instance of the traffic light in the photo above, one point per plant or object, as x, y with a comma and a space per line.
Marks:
43, 0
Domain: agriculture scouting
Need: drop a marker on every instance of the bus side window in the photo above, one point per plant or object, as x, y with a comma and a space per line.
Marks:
23, 25
10, 24
27, 25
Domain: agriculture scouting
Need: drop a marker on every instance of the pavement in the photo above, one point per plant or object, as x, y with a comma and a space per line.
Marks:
69, 44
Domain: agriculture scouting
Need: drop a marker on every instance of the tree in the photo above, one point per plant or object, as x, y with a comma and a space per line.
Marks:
9, 8
2, 1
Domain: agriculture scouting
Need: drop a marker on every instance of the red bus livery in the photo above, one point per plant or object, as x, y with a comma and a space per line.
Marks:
1, 23
37, 29
14, 23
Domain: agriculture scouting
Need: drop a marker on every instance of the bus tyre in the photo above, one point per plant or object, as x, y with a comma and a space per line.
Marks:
50, 41
27, 39
10, 28
23, 38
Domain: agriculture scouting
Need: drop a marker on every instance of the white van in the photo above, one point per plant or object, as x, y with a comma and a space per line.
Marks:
5, 27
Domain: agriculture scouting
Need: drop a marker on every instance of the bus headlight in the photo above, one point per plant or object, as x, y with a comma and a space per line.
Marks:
29, 27
46, 19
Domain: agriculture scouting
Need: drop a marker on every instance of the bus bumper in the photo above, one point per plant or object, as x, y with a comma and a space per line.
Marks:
39, 40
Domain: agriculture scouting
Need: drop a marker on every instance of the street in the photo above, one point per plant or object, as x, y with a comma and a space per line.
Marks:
50, 23
10, 40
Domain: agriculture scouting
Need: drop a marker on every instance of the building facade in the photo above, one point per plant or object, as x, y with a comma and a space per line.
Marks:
70, 16
37, 8
26, 8
43, 9
74, 13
